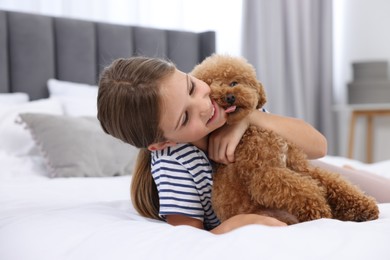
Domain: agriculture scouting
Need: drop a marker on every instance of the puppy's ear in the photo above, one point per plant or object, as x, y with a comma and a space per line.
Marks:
262, 97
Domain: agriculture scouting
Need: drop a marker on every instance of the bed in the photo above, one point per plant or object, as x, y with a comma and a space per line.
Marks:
64, 195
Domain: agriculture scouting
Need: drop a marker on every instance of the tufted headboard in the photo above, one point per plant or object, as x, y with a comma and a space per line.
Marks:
34, 48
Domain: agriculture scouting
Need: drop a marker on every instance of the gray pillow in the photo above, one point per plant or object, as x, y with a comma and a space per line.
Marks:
78, 147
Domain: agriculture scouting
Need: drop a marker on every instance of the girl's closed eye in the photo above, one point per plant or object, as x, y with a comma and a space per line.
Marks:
190, 92
192, 87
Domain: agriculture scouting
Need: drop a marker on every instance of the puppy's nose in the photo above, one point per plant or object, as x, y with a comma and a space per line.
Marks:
230, 98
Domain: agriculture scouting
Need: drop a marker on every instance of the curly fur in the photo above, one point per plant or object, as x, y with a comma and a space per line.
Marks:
271, 176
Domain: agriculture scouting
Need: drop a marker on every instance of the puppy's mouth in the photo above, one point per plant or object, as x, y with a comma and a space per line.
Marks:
230, 109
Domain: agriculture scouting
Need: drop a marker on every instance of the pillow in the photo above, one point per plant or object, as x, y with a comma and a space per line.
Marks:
77, 99
59, 88
15, 140
13, 98
78, 147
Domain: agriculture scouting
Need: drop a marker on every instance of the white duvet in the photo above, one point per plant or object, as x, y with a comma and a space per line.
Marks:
92, 218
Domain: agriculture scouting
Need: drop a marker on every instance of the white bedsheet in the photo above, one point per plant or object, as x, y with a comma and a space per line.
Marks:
92, 218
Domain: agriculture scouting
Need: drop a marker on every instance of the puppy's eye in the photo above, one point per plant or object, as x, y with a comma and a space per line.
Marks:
234, 83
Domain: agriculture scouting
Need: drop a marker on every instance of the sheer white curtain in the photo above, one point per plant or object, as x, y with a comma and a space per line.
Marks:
290, 44
221, 16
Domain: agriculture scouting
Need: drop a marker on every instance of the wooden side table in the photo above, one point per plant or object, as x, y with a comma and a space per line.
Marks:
369, 111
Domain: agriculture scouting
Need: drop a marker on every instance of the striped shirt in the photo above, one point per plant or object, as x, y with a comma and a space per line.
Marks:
183, 176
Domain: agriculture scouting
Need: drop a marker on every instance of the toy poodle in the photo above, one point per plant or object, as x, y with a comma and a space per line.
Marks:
270, 175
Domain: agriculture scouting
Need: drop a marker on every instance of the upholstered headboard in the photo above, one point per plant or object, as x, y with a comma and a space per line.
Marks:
34, 48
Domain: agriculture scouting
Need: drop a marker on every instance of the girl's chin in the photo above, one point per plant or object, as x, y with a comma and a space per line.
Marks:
219, 124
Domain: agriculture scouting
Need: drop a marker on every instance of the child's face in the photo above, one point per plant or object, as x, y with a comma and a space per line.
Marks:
188, 113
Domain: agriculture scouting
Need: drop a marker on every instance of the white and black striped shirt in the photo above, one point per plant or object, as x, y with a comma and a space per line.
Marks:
183, 176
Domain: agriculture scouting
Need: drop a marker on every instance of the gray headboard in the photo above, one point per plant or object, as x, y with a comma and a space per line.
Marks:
34, 48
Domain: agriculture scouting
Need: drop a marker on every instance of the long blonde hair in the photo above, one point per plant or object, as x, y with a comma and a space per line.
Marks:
129, 109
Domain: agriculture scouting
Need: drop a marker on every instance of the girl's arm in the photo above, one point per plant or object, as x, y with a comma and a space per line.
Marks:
295, 130
228, 225
224, 140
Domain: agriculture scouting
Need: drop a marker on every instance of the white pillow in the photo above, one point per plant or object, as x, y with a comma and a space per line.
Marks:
77, 99
13, 98
15, 139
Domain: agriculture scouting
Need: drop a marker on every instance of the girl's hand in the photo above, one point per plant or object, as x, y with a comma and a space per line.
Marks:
223, 141
229, 224
246, 219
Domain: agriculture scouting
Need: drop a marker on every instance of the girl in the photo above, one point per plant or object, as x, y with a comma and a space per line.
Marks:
150, 104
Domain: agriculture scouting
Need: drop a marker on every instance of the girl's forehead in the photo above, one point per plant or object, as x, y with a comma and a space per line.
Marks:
176, 80
174, 91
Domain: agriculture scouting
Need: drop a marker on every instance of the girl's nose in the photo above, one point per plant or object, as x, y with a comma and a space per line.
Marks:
204, 107
203, 112
204, 104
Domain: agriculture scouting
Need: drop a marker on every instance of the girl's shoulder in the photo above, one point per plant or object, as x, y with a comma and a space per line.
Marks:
178, 151
183, 154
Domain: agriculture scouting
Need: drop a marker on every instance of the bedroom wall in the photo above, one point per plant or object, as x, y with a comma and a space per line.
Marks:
360, 33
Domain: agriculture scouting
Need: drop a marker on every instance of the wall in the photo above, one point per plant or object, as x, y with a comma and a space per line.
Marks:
360, 33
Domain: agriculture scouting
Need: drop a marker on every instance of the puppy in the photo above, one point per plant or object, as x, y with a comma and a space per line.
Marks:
271, 176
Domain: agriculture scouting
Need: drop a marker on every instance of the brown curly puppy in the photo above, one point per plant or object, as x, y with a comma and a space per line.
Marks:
272, 176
